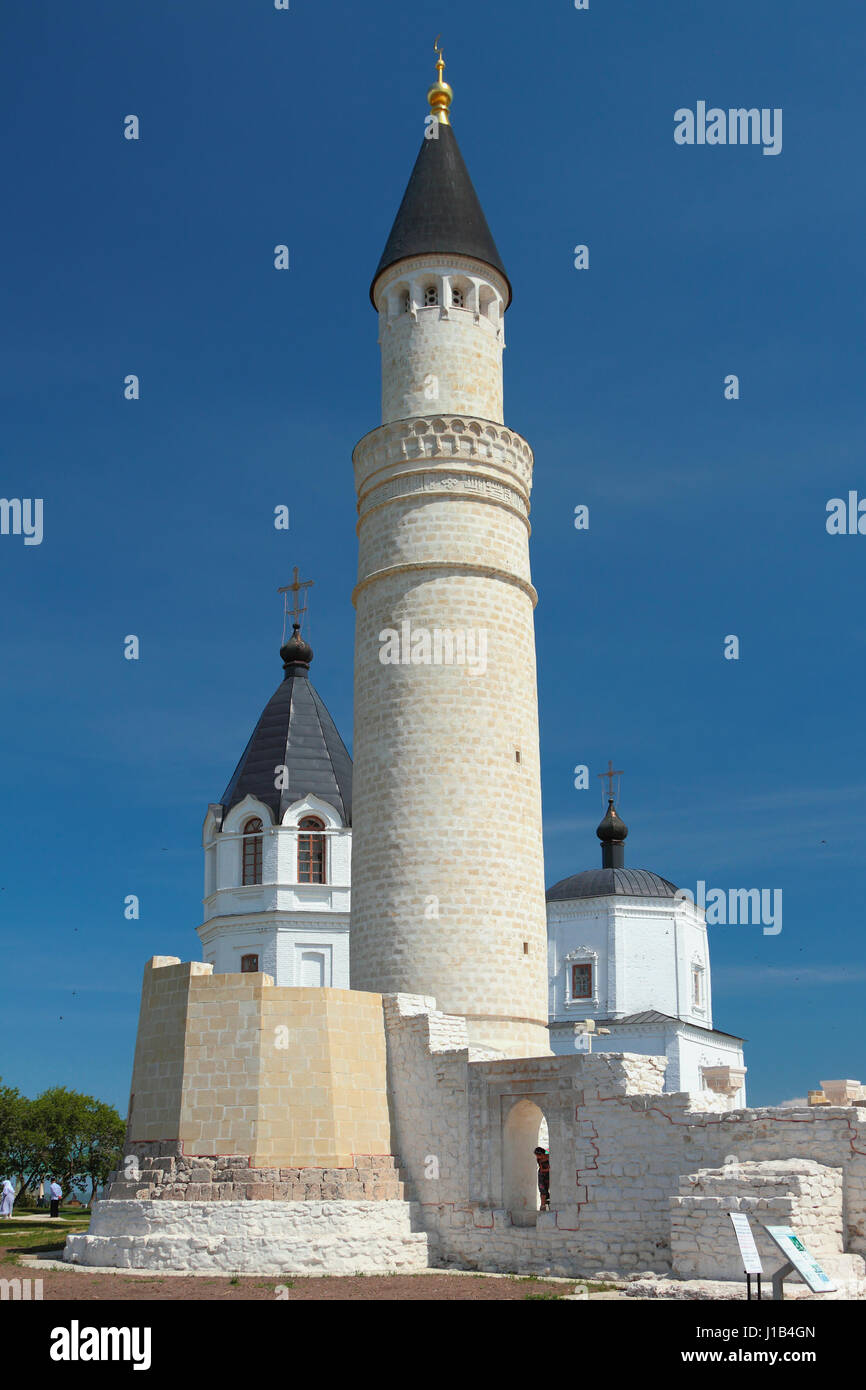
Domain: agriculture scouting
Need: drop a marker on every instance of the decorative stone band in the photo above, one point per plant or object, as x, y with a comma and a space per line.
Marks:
194, 1178
406, 484
455, 439
488, 571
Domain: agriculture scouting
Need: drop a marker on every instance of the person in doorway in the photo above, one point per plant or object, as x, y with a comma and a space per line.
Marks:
7, 1198
542, 1158
56, 1193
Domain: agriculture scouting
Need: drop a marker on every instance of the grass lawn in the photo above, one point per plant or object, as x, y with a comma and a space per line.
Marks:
38, 1234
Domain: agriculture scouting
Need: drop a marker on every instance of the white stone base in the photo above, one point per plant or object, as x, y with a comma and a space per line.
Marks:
254, 1237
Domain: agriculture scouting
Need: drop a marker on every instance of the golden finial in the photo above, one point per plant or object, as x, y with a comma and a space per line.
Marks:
440, 94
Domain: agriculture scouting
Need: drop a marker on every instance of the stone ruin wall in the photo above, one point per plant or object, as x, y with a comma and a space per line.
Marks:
620, 1148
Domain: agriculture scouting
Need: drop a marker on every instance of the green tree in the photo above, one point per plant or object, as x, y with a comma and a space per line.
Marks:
21, 1140
62, 1134
104, 1131
60, 1116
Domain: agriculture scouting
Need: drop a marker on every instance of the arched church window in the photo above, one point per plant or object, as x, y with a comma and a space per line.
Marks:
311, 850
431, 297
249, 965
252, 859
404, 303
458, 299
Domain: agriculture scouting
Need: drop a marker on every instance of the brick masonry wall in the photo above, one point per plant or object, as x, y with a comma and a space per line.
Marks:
448, 877
152, 1175
618, 1147
794, 1192
440, 358
233, 1065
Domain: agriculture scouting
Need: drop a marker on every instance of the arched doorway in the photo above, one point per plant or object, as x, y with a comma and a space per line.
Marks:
523, 1130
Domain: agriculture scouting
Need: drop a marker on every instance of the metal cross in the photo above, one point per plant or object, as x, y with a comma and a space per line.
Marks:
294, 588
610, 774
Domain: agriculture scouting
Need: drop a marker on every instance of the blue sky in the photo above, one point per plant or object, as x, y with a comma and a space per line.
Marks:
707, 516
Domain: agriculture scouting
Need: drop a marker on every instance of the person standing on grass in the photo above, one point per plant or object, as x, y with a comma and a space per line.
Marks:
7, 1198
542, 1158
56, 1193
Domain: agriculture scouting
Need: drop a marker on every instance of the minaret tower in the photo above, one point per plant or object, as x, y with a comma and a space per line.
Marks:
448, 875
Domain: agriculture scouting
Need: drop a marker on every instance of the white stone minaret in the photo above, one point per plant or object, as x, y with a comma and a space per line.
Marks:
448, 878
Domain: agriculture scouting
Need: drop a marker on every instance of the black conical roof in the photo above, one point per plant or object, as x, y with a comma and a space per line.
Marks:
440, 211
297, 732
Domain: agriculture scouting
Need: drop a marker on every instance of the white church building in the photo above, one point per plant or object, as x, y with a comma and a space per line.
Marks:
278, 846
625, 954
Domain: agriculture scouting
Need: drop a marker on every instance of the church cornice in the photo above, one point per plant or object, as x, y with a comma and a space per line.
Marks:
277, 920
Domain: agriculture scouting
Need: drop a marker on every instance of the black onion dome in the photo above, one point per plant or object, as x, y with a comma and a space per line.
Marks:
604, 883
296, 651
440, 212
295, 731
611, 828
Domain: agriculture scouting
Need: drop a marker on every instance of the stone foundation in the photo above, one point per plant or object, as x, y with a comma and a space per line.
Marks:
155, 1175
278, 1238
465, 1126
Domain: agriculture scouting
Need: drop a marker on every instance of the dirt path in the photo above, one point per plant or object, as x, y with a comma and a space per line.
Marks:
77, 1286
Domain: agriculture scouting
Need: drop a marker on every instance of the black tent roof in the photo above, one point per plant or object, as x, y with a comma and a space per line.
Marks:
440, 211
295, 731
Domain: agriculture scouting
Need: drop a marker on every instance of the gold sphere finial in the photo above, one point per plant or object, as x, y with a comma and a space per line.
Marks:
440, 94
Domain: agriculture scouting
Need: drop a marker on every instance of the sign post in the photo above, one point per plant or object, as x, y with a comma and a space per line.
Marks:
799, 1259
748, 1251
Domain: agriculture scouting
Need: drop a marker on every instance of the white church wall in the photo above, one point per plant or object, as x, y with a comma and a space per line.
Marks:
583, 933
646, 974
281, 946
302, 942
644, 954
693, 956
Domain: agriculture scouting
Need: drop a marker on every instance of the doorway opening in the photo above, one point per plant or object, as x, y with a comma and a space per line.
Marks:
524, 1130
